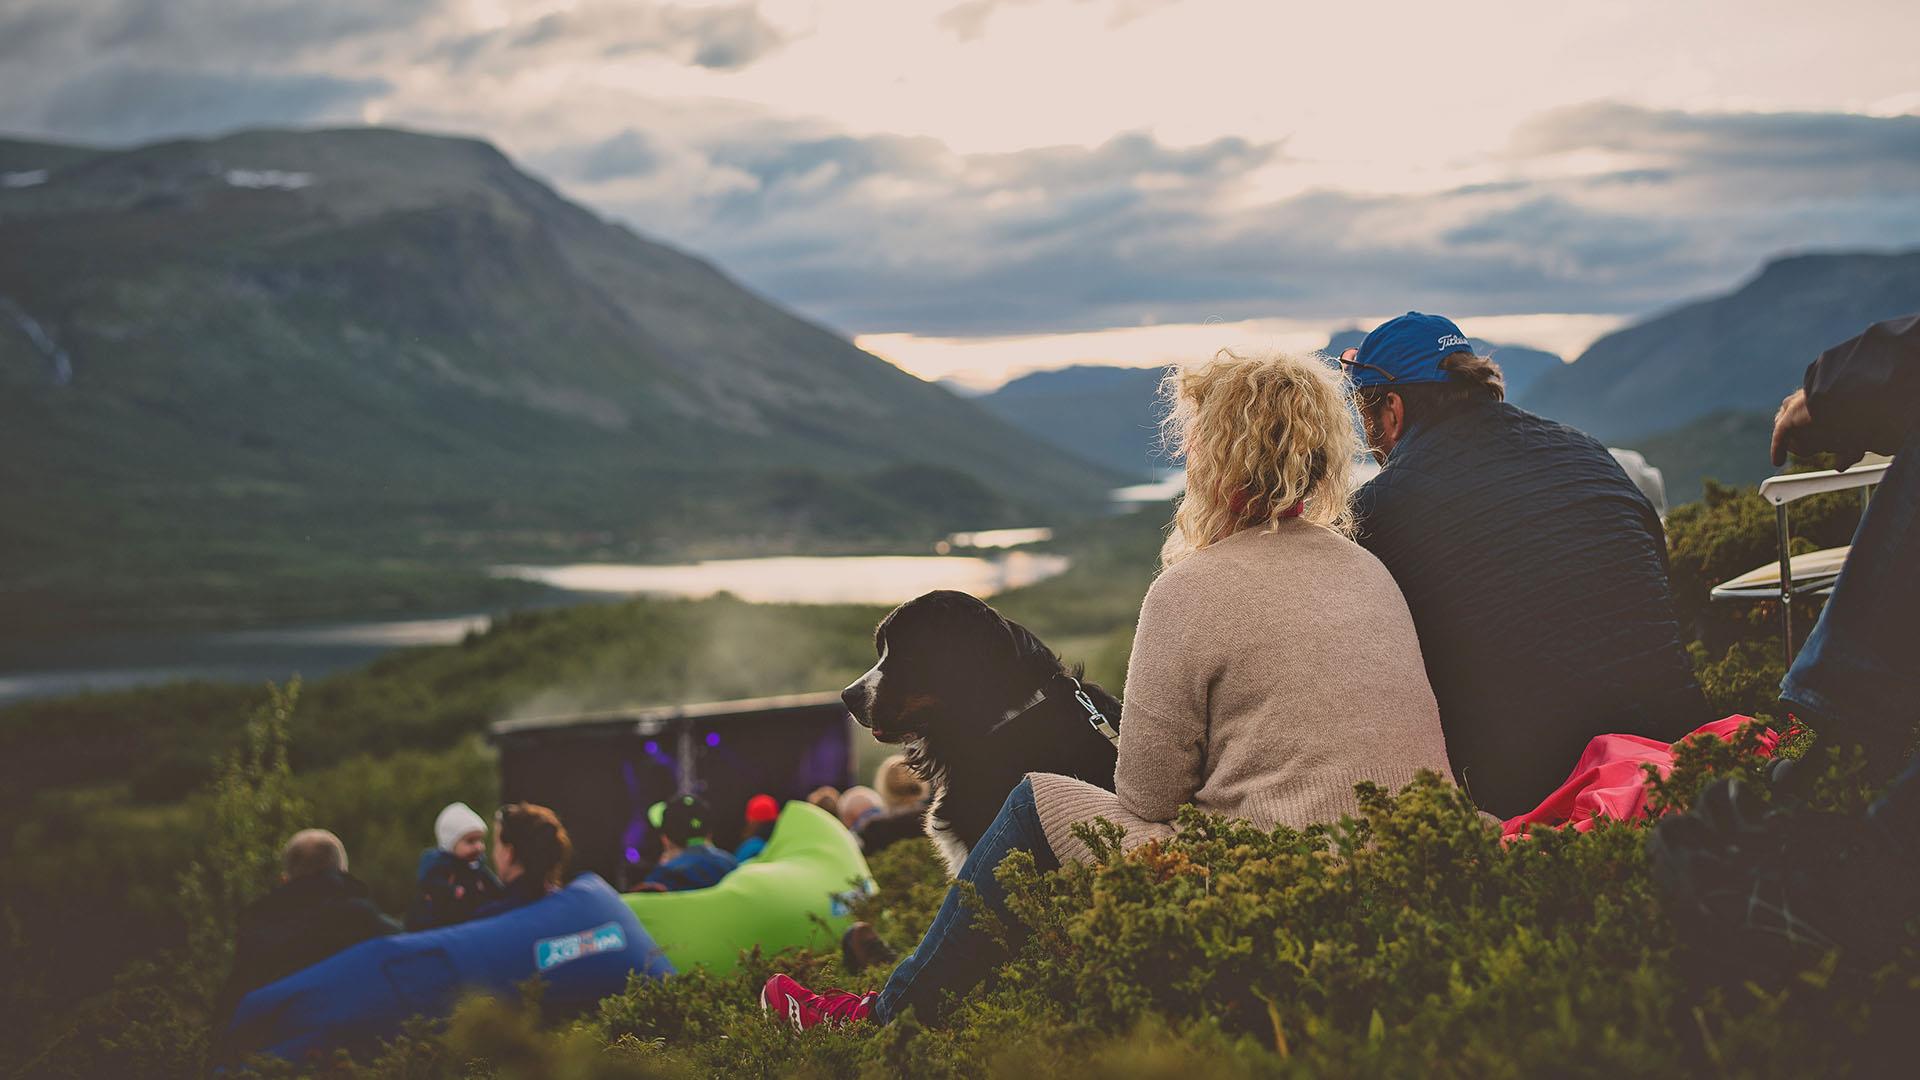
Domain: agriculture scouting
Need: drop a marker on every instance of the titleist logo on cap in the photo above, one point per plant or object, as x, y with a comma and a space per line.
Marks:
1453, 341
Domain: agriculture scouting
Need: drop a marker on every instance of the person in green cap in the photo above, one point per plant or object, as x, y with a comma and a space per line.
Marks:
687, 860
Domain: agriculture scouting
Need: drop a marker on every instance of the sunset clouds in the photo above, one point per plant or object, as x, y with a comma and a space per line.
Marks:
982, 168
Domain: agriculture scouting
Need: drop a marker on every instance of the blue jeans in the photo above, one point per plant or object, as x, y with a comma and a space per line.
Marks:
1857, 678
955, 956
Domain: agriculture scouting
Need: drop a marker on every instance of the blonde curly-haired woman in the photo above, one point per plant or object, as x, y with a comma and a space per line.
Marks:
1274, 666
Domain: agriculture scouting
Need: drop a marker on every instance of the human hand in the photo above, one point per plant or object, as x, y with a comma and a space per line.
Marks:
1792, 417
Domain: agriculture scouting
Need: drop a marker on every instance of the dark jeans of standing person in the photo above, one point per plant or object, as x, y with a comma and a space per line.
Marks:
1897, 811
955, 955
1857, 678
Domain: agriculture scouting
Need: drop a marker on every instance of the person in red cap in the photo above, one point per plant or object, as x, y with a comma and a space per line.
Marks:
762, 812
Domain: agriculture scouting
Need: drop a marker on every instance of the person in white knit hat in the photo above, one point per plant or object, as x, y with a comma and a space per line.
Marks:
454, 879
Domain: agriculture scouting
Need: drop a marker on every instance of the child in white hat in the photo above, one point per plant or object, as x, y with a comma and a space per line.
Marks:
454, 879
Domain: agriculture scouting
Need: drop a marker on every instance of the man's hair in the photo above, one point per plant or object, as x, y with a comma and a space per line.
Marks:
1470, 379
540, 843
313, 851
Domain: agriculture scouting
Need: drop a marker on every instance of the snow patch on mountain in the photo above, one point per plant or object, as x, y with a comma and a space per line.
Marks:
62, 363
24, 179
268, 179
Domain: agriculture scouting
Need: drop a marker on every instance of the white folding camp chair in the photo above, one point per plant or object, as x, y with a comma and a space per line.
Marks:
1811, 574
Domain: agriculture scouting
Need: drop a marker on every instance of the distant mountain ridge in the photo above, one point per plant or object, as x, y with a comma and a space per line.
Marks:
1740, 352
1107, 415
381, 344
1691, 388
1111, 415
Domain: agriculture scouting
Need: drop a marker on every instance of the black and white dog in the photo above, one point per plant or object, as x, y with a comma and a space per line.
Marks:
978, 702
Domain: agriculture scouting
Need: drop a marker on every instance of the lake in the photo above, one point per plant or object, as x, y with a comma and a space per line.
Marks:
123, 660
864, 579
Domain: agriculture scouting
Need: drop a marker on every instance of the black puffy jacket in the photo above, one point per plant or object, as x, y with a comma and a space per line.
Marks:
1537, 576
300, 923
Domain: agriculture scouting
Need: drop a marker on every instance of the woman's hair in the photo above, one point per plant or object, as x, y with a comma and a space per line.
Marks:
898, 784
1259, 437
540, 843
1470, 379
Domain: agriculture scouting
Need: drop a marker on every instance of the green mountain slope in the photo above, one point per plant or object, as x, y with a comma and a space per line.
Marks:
28, 156
1107, 415
1730, 447
1741, 352
275, 355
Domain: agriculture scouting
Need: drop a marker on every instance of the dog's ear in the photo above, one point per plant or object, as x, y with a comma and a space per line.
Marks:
1025, 641
880, 630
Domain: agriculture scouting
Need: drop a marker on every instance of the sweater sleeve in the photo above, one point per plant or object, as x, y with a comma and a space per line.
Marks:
1163, 720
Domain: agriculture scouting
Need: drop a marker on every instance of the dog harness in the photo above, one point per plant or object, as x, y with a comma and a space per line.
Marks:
1097, 719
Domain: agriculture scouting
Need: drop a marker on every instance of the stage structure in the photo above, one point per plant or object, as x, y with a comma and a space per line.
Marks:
601, 771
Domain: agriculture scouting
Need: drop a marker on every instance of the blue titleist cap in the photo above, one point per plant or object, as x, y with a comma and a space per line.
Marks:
1407, 350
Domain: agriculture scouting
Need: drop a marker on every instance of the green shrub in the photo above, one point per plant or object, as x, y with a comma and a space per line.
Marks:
1407, 941
156, 1019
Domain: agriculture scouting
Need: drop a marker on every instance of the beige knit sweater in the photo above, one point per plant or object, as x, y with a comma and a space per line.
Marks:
1270, 673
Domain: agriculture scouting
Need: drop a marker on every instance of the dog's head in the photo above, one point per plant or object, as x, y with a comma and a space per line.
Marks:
947, 661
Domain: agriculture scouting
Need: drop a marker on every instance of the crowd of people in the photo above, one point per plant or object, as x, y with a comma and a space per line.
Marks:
1489, 602
1494, 598
319, 908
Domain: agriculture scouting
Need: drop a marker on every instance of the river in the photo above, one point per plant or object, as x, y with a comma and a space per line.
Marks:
122, 660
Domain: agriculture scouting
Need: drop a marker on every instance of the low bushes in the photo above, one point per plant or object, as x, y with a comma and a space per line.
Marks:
1410, 941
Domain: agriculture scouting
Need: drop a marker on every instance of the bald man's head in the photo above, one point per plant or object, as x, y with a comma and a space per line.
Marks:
313, 851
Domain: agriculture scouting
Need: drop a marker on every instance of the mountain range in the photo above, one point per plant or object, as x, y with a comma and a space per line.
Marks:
232, 360
295, 373
1741, 352
1692, 388
1111, 415
1108, 415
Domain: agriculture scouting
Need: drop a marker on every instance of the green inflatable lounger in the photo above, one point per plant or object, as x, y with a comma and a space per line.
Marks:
794, 893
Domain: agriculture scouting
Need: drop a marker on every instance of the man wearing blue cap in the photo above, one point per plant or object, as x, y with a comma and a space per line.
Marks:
1535, 570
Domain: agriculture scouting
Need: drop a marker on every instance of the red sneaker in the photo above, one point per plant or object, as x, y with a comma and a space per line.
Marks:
803, 1008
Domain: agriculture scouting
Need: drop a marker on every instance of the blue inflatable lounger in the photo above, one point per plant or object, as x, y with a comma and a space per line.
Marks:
581, 940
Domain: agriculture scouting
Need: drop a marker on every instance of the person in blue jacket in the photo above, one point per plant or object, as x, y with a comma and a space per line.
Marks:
453, 880
762, 814
687, 859
1535, 570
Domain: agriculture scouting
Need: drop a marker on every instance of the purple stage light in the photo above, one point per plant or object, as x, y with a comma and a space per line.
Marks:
633, 855
652, 747
713, 738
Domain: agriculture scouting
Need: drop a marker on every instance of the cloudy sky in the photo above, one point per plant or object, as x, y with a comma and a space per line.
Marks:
973, 187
